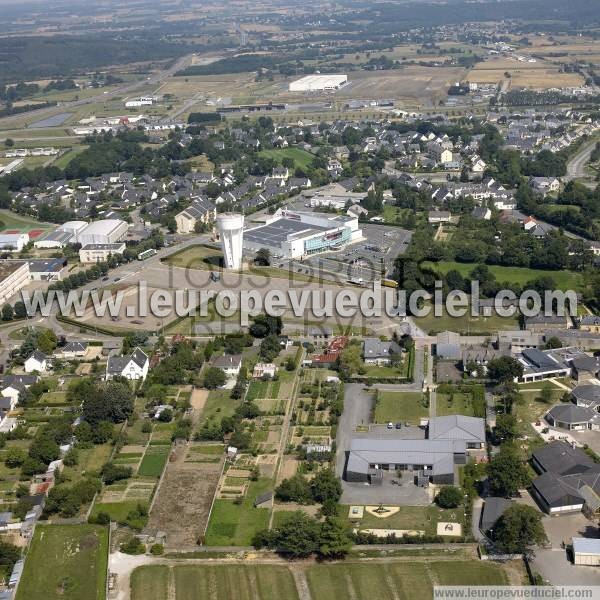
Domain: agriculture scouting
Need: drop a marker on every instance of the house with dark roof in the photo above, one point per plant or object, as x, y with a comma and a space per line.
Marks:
72, 350
36, 362
573, 417
379, 352
569, 479
493, 509
131, 366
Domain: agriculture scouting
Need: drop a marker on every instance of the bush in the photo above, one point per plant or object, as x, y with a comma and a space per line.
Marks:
449, 497
157, 549
133, 546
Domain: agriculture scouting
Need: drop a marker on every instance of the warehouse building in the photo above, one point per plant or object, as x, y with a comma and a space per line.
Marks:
47, 269
105, 231
13, 242
296, 234
14, 276
586, 551
318, 83
55, 239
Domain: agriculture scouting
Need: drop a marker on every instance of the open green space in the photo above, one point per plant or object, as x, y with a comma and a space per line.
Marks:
416, 518
66, 561
118, 511
233, 524
565, 280
462, 400
301, 158
466, 324
404, 407
213, 582
396, 580
154, 460
21, 222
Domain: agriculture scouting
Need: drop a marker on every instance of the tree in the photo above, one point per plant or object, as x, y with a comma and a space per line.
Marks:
133, 546
519, 529
335, 538
111, 473
214, 378
350, 360
9, 142
112, 401
551, 344
263, 257
15, 457
20, 310
505, 368
298, 536
506, 427
295, 489
326, 486
449, 497
269, 348
47, 341
7, 312
547, 392
507, 472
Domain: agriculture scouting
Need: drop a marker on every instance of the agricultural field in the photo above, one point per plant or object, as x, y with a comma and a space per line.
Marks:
214, 582
393, 580
66, 561
404, 407
154, 460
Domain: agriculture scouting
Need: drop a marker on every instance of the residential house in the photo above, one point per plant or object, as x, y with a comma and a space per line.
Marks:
230, 364
37, 362
379, 352
132, 366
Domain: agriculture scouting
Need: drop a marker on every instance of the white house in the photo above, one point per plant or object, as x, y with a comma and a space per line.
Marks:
230, 364
37, 361
131, 366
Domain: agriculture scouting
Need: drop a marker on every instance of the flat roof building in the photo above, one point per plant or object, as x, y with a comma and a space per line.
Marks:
93, 253
14, 275
318, 83
105, 231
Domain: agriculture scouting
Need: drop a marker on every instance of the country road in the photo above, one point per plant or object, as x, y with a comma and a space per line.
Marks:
576, 166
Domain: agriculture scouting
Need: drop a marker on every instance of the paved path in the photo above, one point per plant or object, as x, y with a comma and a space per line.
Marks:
576, 167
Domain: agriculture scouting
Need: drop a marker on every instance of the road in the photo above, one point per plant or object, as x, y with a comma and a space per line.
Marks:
128, 88
576, 167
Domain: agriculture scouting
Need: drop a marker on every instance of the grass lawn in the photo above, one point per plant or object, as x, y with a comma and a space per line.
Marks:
62, 161
89, 461
154, 460
214, 582
257, 389
150, 583
466, 324
66, 561
461, 400
118, 511
565, 280
21, 222
234, 524
219, 404
419, 518
400, 406
53, 398
302, 158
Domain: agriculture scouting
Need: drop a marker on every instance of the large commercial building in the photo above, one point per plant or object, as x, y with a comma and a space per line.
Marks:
14, 276
94, 253
296, 234
318, 83
105, 231
13, 242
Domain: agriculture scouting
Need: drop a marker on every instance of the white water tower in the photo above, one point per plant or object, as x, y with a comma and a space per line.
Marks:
231, 231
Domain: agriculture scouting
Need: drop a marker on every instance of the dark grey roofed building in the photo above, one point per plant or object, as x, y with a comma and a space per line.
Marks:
379, 351
572, 417
493, 509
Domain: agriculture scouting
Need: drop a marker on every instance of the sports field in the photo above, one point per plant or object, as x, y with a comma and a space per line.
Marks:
66, 561
10, 222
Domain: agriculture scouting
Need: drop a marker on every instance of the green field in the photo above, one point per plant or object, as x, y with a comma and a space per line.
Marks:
396, 580
118, 511
234, 524
154, 460
565, 280
213, 582
21, 222
461, 401
400, 406
301, 158
66, 561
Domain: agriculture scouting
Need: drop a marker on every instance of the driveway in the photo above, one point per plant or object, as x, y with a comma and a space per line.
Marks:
591, 438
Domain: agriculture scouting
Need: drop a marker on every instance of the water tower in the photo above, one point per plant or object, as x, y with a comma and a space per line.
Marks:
231, 231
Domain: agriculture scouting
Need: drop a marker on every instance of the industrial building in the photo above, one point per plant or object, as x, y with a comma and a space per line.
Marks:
296, 234
318, 83
105, 231
55, 239
93, 253
586, 551
14, 276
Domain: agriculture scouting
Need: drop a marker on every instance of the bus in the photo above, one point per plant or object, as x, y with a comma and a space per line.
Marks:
146, 254
389, 283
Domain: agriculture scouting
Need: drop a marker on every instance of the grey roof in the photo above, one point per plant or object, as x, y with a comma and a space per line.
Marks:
448, 351
437, 453
275, 233
586, 363
457, 427
228, 361
75, 347
116, 364
38, 355
571, 413
493, 509
590, 320
376, 348
587, 394
46, 265
562, 459
586, 545
26, 380
539, 359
